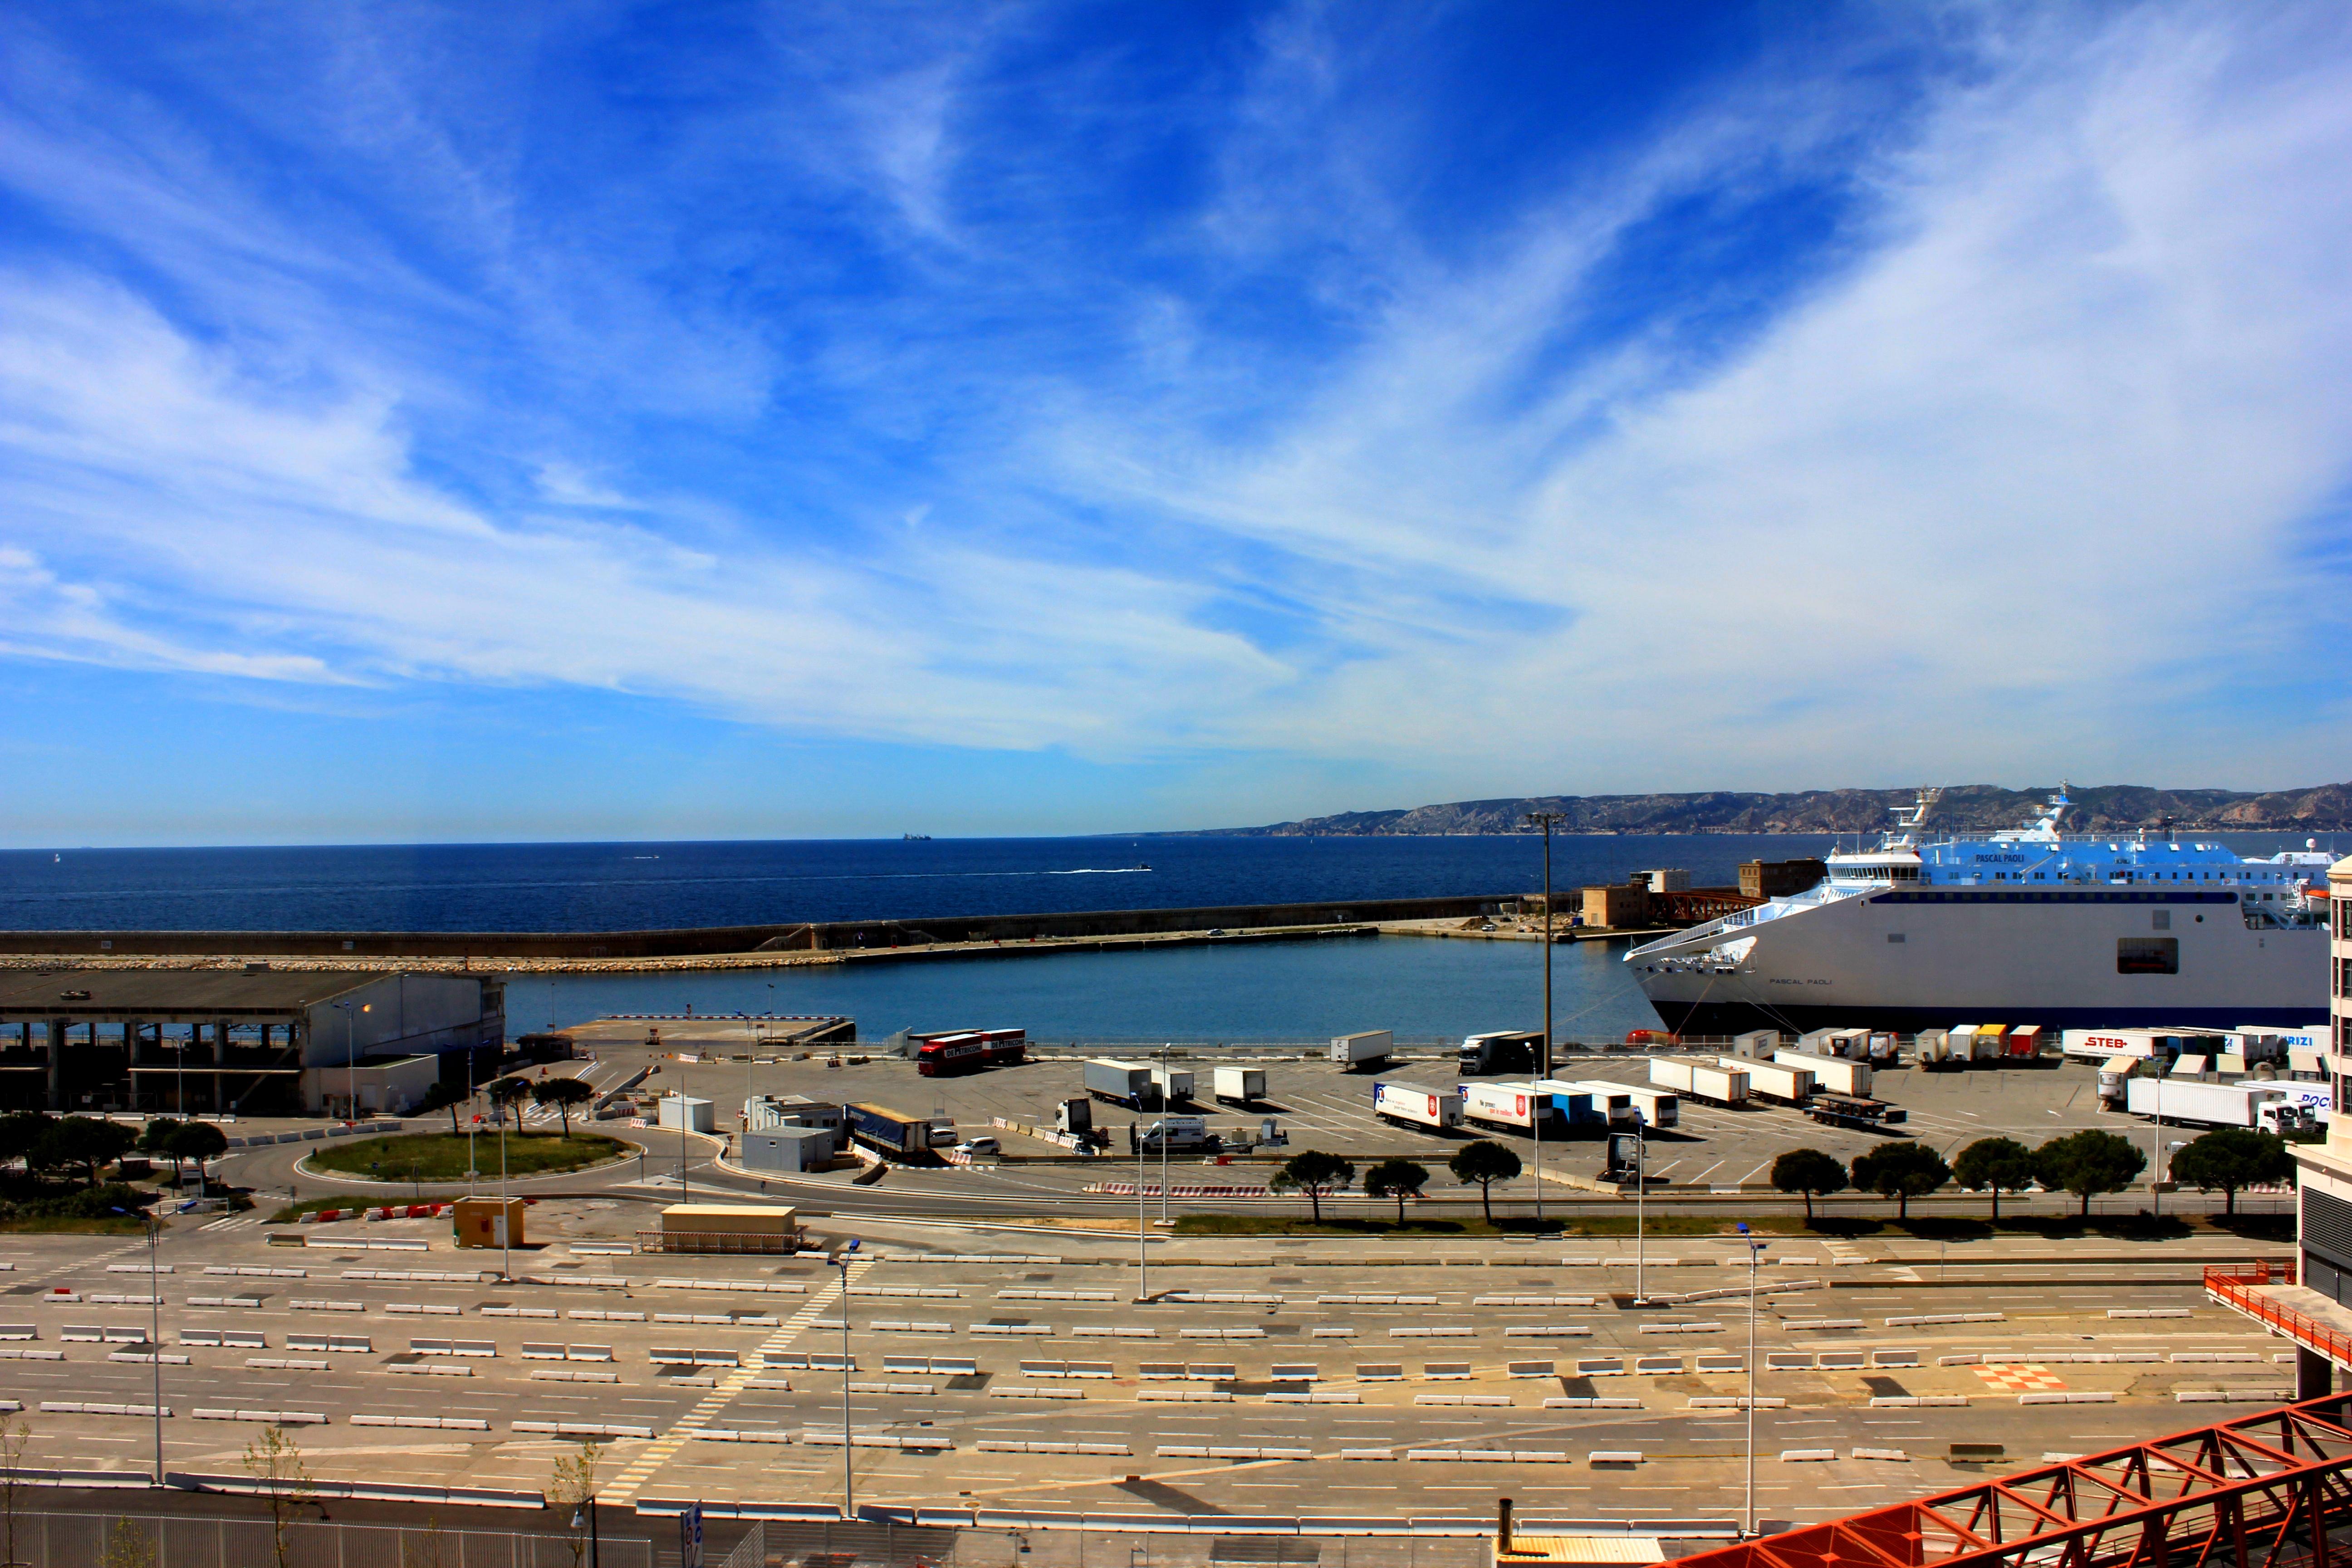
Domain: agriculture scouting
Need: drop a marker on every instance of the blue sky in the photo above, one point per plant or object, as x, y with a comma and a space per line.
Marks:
606, 420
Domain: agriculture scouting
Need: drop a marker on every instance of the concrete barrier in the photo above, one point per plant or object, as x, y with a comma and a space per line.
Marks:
1317, 1396
150, 1358
1678, 1328
1439, 1331
1023, 1391
1546, 1331
1503, 1399
283, 1364
1224, 1451
1114, 1331
1570, 1402
307, 1305
993, 1446
1932, 1318
1185, 1396
1806, 1456
1444, 1371
266, 1417
584, 1429
1613, 1457
430, 1423
1895, 1358
601, 1315
1487, 1456
1823, 1324
2073, 1397
82, 1407
1375, 1301
434, 1368
1537, 1301
1918, 1401
554, 1374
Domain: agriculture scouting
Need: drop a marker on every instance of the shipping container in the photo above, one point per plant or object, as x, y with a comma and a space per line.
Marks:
1839, 1075
1411, 1103
1239, 1086
1122, 1083
2024, 1043
1368, 1048
1756, 1044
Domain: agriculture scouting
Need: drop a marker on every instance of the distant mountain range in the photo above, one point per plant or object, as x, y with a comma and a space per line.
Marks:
2323, 808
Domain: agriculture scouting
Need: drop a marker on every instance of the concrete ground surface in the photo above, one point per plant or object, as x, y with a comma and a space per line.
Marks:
1409, 1343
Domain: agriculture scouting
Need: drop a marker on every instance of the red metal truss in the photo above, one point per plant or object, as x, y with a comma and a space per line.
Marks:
2257, 1492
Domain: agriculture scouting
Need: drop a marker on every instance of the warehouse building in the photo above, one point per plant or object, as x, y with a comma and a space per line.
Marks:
257, 1041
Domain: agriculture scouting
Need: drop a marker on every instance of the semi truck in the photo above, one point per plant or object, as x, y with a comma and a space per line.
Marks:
1175, 1084
1837, 1075
896, 1132
1775, 1081
1500, 1051
1238, 1086
1122, 1083
1368, 1049
1721, 1085
1413, 1105
2263, 1106
968, 1050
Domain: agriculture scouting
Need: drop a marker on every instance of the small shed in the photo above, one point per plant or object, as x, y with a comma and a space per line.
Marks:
487, 1222
787, 1148
687, 1114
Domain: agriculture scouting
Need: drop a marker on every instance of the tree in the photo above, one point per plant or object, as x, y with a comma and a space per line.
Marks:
274, 1462
1315, 1174
19, 1131
563, 1094
155, 1138
506, 1091
1810, 1172
1397, 1179
83, 1141
1482, 1165
2087, 1163
1901, 1172
574, 1488
197, 1141
129, 1545
12, 1440
1995, 1164
2233, 1158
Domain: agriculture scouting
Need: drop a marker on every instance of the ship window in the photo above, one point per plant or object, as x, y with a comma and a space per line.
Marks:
2147, 955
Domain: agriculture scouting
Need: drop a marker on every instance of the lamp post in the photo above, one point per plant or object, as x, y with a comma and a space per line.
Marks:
155, 1331
1164, 1221
848, 1495
588, 1508
1755, 1249
1142, 1231
1641, 1199
1545, 820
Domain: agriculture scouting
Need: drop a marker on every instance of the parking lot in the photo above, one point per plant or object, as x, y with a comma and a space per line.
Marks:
1016, 1370
1320, 1106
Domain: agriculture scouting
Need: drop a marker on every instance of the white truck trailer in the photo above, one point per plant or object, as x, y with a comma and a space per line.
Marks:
1238, 1086
1775, 1081
2263, 1106
1175, 1084
1516, 1106
1840, 1075
1365, 1049
1413, 1105
1611, 1106
1656, 1107
1700, 1081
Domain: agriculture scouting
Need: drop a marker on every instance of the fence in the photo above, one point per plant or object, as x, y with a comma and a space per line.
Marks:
99, 1539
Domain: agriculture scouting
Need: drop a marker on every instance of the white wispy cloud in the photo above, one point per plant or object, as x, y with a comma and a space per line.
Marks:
829, 409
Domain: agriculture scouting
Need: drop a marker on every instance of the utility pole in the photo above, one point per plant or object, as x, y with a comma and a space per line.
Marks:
1755, 1249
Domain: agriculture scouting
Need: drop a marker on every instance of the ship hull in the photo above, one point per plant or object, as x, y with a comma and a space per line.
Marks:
1911, 960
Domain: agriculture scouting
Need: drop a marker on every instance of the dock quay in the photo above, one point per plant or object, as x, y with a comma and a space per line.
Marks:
1490, 916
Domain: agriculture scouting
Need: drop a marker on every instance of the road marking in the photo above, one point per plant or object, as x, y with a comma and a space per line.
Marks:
659, 1452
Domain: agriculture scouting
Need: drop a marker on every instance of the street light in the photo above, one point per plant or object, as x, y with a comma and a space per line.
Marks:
1755, 1249
1545, 820
156, 1328
848, 1480
1641, 1198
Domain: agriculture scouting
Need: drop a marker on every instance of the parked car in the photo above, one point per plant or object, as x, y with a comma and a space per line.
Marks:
980, 1146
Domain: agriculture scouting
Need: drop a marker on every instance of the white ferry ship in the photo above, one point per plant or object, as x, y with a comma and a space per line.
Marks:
2030, 926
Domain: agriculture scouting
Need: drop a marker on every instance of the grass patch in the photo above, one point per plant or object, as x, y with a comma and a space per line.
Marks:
74, 1225
441, 1157
1663, 1225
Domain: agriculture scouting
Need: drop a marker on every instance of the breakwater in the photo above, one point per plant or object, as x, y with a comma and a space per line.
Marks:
777, 943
